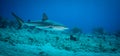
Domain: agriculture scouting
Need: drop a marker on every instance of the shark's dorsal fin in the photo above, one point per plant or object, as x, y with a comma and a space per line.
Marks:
44, 17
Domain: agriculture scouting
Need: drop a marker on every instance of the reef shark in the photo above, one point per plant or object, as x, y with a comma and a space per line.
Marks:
44, 24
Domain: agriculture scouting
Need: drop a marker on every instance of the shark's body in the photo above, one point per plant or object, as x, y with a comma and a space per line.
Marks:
43, 24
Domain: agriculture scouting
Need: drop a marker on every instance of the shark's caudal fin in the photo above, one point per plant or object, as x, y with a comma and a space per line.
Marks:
19, 20
44, 17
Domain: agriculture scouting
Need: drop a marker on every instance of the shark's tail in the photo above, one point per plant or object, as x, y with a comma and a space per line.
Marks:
19, 20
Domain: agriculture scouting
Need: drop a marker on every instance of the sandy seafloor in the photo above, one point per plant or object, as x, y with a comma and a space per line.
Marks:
35, 42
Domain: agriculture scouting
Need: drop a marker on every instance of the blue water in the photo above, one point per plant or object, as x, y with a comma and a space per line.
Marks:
85, 14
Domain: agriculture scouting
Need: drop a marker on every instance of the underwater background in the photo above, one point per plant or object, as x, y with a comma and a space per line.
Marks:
85, 14
94, 28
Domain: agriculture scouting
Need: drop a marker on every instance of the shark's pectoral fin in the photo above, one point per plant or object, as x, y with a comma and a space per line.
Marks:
44, 17
19, 20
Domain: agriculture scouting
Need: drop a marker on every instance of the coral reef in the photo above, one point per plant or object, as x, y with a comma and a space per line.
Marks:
29, 41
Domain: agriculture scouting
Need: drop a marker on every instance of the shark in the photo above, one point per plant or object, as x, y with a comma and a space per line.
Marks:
44, 24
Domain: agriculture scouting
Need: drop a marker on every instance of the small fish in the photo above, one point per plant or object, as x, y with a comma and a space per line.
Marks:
43, 24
